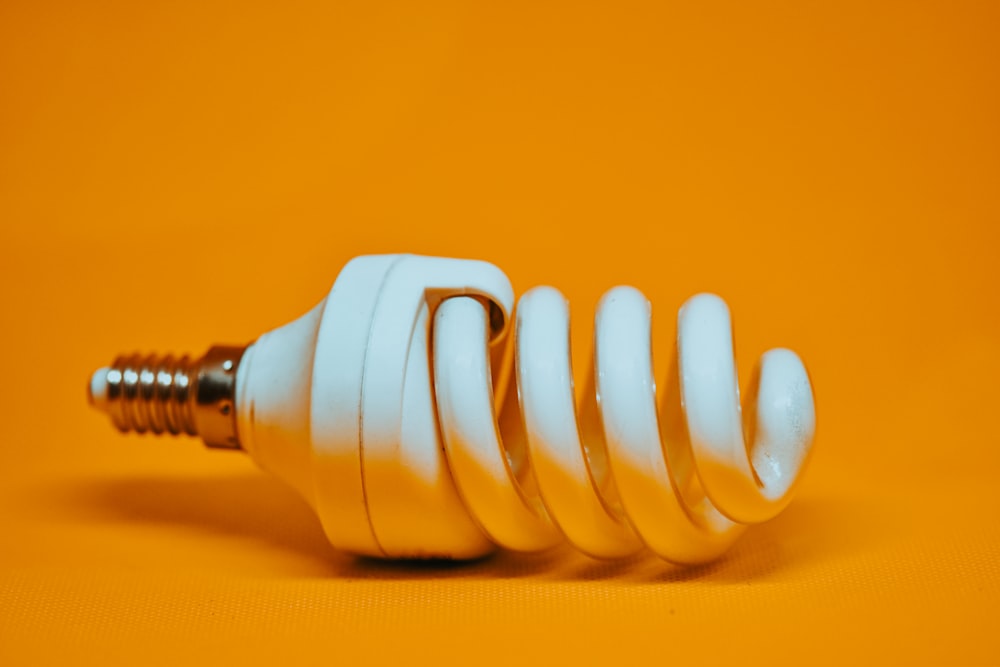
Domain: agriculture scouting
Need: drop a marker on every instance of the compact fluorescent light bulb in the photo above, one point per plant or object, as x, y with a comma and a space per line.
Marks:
420, 421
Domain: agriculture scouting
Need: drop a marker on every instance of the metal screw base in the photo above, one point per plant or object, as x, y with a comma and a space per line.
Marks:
151, 394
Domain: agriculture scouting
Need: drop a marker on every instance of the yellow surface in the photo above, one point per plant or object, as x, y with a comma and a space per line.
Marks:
177, 174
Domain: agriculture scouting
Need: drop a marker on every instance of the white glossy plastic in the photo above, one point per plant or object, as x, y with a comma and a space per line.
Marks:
389, 406
339, 404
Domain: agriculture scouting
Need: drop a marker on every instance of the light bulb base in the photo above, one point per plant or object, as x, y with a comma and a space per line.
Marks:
163, 394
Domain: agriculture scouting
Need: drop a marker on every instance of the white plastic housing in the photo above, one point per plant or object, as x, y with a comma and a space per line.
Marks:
338, 404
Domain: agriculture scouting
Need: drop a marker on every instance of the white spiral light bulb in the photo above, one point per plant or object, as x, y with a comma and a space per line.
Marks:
420, 421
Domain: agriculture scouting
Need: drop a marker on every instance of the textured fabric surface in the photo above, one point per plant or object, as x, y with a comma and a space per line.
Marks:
178, 174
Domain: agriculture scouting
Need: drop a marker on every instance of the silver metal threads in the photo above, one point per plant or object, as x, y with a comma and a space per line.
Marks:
151, 394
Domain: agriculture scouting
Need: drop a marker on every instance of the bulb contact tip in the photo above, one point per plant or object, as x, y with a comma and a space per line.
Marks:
97, 389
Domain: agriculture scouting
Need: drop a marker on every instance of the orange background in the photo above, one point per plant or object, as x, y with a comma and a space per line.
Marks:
178, 174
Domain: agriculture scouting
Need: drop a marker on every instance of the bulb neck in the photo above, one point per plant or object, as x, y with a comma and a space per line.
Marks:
163, 394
